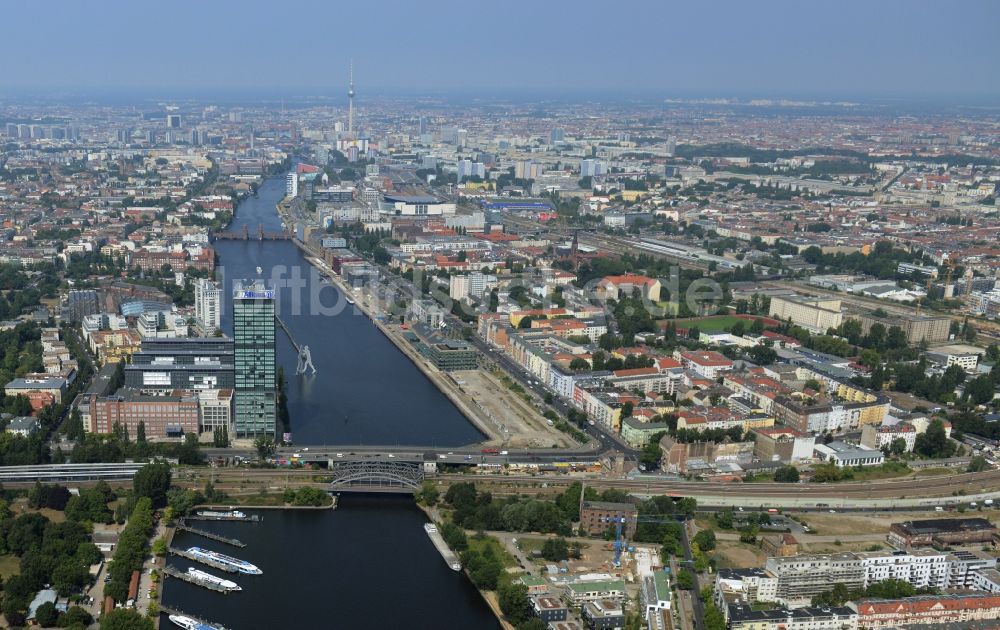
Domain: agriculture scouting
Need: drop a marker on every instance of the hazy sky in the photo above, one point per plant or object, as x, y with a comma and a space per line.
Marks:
836, 48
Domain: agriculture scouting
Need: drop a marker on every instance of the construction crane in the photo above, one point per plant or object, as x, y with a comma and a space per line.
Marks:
619, 522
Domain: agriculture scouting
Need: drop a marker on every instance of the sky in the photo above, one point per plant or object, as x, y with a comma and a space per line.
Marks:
839, 49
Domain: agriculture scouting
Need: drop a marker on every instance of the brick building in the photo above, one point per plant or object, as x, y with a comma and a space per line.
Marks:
597, 516
162, 416
942, 531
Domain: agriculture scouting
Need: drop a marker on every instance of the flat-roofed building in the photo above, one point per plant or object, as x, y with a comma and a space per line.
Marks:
814, 314
161, 416
929, 328
942, 531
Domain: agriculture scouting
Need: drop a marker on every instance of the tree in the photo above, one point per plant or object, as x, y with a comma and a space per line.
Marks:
46, 615
75, 617
787, 474
153, 481
685, 579
897, 447
125, 619
555, 549
513, 600
578, 365
652, 453
428, 493
933, 442
705, 539
978, 464
981, 389
265, 447
748, 534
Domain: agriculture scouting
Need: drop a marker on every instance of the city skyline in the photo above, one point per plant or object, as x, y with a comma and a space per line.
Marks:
852, 50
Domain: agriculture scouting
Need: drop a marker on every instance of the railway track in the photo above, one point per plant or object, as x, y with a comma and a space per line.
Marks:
910, 487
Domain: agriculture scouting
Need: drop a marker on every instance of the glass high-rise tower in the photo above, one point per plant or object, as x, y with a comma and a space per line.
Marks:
255, 394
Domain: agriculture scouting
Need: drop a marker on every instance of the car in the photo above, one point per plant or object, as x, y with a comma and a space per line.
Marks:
833, 511
939, 509
305, 449
391, 455
340, 454
442, 457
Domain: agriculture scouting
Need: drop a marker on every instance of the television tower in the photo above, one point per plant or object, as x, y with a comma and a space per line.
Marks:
350, 104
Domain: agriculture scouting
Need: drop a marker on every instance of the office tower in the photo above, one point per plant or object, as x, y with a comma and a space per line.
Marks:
208, 304
592, 168
254, 343
235, 117
173, 121
422, 129
558, 134
292, 185
150, 137
671, 146
24, 131
12, 130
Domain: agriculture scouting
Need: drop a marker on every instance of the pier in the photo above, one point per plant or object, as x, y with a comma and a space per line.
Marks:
168, 610
449, 556
187, 577
184, 527
183, 553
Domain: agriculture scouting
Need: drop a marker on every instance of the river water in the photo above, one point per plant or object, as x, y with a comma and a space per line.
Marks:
365, 391
367, 564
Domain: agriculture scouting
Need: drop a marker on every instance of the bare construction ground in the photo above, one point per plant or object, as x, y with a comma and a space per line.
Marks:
846, 524
527, 427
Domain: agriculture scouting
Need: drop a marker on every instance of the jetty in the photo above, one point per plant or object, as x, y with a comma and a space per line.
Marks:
170, 610
449, 556
187, 577
183, 553
184, 527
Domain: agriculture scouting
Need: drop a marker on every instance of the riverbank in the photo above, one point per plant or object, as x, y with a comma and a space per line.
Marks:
490, 597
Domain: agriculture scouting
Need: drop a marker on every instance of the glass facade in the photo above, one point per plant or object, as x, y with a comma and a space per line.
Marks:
255, 398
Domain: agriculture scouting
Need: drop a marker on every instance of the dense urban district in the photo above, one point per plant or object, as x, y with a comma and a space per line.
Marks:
734, 363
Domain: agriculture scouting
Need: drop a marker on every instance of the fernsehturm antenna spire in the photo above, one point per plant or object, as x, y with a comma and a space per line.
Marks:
350, 103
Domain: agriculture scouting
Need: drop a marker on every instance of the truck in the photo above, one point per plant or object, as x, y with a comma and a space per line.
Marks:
491, 450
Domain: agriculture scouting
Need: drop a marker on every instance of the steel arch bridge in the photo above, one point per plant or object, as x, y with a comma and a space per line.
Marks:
376, 476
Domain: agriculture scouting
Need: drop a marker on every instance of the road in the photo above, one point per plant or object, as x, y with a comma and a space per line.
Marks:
695, 600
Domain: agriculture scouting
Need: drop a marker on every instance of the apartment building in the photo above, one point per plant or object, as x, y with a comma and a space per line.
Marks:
926, 610
800, 578
743, 617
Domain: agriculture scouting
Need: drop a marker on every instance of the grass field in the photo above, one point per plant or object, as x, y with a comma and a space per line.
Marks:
9, 565
713, 323
477, 543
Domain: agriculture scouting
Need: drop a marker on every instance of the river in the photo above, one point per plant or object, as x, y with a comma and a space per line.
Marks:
367, 564
365, 390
